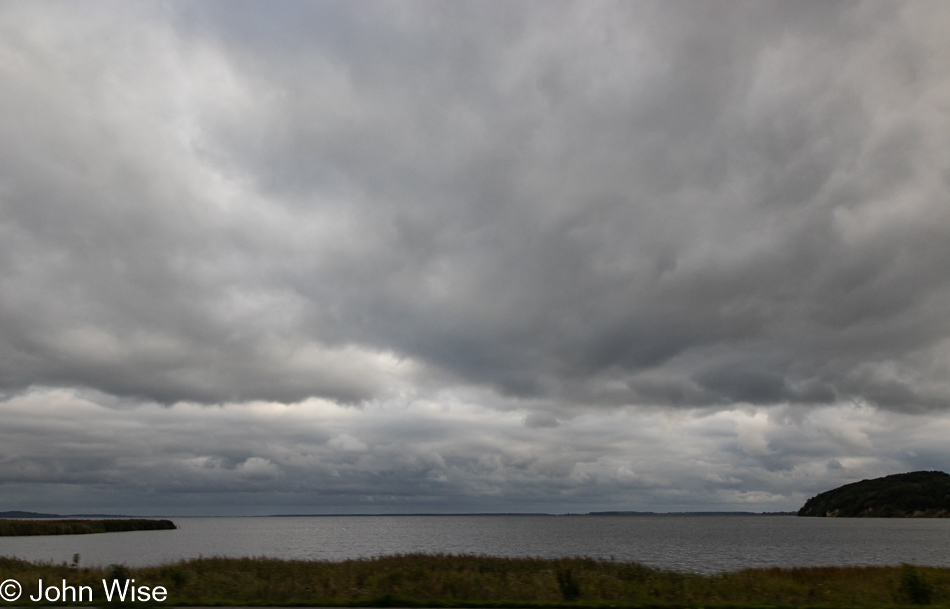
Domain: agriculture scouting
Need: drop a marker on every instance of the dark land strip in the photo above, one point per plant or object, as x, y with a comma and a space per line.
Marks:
16, 528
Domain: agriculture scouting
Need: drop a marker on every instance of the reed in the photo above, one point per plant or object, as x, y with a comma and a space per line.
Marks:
429, 580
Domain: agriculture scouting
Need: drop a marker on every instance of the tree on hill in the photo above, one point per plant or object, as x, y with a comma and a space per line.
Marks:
915, 494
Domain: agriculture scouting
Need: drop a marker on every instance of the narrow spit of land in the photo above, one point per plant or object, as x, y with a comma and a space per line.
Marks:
425, 580
14, 528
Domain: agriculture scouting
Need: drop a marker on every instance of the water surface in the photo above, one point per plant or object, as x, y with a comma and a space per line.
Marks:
685, 543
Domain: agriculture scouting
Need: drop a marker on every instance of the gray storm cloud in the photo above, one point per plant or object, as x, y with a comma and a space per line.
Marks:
569, 254
595, 203
61, 448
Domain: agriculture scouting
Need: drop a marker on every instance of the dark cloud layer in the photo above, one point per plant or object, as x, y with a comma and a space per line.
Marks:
566, 207
607, 203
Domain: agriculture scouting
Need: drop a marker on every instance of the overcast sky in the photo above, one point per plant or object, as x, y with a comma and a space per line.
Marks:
338, 257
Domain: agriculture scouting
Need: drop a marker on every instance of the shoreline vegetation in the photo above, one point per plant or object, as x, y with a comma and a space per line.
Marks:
439, 580
18, 528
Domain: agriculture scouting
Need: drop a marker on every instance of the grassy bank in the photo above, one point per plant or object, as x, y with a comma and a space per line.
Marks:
12, 528
459, 581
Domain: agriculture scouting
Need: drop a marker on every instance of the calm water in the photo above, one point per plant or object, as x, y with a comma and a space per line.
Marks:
685, 543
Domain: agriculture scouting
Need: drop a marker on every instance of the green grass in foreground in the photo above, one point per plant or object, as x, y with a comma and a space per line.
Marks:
482, 581
12, 528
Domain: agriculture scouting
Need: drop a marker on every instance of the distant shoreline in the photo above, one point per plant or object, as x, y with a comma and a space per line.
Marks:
618, 513
16, 515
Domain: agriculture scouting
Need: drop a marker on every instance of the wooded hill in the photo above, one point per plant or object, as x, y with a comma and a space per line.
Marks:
911, 495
